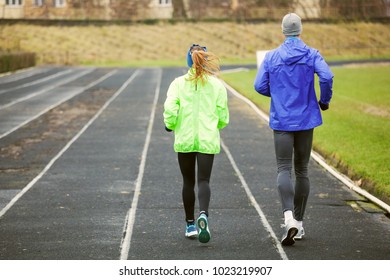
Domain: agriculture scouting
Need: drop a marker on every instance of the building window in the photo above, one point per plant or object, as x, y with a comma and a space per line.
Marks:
14, 2
59, 3
39, 3
165, 2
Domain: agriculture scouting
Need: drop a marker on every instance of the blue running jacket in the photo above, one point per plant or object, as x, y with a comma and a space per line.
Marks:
287, 76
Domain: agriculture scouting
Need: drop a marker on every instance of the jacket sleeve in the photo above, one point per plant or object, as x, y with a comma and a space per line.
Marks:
262, 79
222, 107
325, 76
171, 106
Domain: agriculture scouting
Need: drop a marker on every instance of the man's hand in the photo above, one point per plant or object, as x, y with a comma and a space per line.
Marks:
323, 106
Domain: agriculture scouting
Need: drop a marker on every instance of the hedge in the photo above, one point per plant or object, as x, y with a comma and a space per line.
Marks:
15, 61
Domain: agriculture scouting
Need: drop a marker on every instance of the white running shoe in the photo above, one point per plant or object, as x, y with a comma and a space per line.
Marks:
300, 234
290, 230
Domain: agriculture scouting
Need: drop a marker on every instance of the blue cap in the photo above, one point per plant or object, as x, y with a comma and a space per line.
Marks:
189, 57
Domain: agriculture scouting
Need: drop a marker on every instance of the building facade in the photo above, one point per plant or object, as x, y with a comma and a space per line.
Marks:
86, 9
189, 9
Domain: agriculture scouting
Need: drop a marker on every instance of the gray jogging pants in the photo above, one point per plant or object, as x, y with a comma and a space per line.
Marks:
293, 146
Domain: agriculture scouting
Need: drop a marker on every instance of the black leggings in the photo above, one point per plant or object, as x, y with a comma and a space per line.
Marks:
187, 166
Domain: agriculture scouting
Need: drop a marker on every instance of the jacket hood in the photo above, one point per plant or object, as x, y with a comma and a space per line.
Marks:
293, 50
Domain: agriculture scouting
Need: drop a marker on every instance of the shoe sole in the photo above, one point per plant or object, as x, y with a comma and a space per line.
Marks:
204, 234
289, 239
299, 237
192, 235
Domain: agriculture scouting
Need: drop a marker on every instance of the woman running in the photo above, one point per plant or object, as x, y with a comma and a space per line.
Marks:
196, 109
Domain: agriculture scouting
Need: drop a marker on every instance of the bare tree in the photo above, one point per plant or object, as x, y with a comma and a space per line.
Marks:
354, 9
179, 10
125, 9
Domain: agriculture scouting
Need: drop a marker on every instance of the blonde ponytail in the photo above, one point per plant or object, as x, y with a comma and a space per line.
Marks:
204, 64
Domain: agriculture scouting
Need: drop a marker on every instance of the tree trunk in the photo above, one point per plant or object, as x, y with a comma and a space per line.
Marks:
179, 10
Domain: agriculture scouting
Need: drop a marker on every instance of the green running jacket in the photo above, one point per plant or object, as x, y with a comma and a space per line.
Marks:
196, 113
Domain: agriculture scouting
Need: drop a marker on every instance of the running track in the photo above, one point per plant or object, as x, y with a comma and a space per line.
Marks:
108, 187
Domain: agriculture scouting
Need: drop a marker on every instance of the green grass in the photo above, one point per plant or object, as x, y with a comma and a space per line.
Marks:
355, 136
164, 44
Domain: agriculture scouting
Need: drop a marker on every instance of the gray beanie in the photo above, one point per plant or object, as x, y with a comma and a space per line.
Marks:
291, 25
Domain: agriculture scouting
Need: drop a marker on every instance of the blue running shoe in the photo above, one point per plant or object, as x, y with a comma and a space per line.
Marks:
204, 232
191, 231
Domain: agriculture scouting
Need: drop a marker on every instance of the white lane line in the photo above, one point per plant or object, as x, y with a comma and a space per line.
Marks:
46, 89
130, 218
58, 103
37, 81
10, 77
66, 147
247, 101
254, 203
235, 70
341, 177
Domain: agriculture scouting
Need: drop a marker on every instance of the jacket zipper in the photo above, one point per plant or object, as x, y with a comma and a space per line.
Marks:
196, 117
